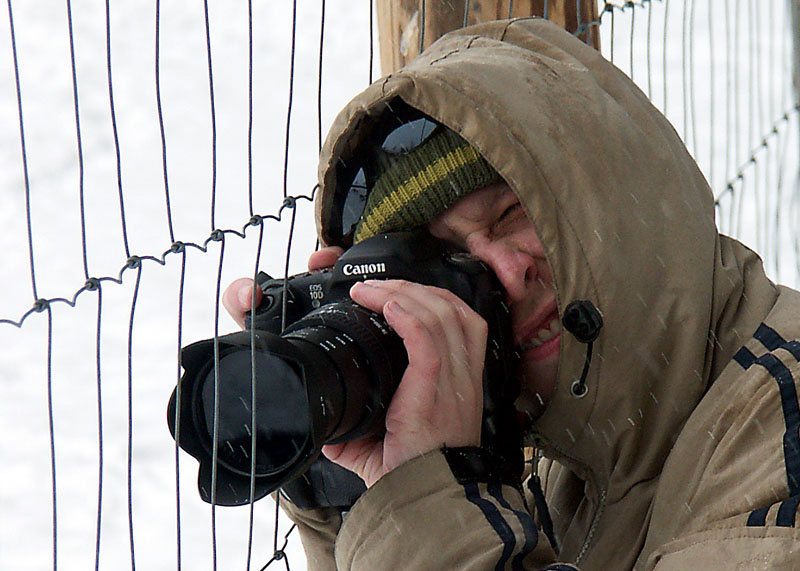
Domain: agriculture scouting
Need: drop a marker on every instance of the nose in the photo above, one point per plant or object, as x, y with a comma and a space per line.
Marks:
514, 268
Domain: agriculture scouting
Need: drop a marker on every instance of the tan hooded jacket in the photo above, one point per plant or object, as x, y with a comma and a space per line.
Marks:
685, 452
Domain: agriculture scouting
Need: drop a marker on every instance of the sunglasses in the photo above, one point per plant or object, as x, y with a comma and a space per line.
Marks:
400, 130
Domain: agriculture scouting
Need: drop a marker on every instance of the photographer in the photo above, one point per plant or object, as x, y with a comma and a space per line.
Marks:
665, 407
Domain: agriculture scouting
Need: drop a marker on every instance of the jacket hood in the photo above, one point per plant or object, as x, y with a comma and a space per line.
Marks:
627, 220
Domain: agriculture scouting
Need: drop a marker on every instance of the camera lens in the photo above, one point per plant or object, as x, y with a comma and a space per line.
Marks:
329, 378
281, 411
364, 353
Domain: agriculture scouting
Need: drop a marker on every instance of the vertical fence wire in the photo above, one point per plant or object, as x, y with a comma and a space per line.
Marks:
711, 122
221, 237
737, 137
52, 433
291, 97
372, 39
250, 107
726, 172
319, 72
115, 131
161, 128
692, 98
685, 74
253, 403
213, 112
24, 151
136, 265
664, 54
215, 414
100, 452
289, 203
178, 396
631, 51
79, 138
649, 44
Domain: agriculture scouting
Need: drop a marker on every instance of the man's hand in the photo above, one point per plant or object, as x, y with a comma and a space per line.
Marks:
439, 401
440, 398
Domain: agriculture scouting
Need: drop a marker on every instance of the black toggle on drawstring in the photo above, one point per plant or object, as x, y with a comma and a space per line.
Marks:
583, 320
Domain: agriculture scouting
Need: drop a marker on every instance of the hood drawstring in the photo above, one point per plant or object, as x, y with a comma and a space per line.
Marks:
583, 320
542, 511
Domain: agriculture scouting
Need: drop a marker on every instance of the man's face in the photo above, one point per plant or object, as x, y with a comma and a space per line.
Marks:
491, 224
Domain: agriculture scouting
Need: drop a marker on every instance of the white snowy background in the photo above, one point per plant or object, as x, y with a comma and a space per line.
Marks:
732, 113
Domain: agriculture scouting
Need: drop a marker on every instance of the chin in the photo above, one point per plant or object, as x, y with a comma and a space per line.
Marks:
537, 383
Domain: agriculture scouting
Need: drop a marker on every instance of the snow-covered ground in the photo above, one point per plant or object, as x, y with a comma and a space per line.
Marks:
55, 180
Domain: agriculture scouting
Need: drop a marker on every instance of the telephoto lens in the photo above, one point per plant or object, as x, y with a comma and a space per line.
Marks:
312, 385
255, 407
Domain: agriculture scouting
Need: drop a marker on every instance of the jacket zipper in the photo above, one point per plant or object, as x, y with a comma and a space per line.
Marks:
540, 443
595, 520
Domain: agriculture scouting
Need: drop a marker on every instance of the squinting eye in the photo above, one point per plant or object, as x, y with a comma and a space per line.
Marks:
510, 211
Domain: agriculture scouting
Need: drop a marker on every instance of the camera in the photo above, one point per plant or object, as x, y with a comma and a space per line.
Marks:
313, 367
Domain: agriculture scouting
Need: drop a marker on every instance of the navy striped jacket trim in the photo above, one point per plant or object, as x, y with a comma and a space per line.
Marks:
496, 520
768, 337
772, 340
525, 520
787, 512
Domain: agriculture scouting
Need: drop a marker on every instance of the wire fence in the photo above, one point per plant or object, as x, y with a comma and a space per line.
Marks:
151, 152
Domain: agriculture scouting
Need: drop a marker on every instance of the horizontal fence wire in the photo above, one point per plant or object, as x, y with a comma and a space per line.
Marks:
178, 247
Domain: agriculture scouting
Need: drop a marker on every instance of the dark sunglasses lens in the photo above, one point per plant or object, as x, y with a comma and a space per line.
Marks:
403, 137
408, 136
354, 202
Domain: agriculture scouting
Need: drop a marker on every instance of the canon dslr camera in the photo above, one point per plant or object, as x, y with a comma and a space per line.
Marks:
314, 368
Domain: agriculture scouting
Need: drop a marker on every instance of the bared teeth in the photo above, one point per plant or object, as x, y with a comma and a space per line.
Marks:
543, 335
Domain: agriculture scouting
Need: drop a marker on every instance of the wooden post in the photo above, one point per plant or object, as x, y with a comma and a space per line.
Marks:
400, 22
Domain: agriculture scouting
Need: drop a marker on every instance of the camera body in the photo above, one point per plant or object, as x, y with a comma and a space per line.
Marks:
315, 368
414, 256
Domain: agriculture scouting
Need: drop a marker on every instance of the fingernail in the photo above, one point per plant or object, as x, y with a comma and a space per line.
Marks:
364, 284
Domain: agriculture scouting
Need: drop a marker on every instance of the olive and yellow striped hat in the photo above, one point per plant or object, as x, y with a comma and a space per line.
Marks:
413, 188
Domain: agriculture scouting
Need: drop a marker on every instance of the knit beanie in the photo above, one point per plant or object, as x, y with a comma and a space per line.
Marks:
413, 188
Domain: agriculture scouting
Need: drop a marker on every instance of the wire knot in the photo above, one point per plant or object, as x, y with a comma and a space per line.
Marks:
256, 220
40, 305
134, 262
217, 235
92, 284
177, 247
289, 202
